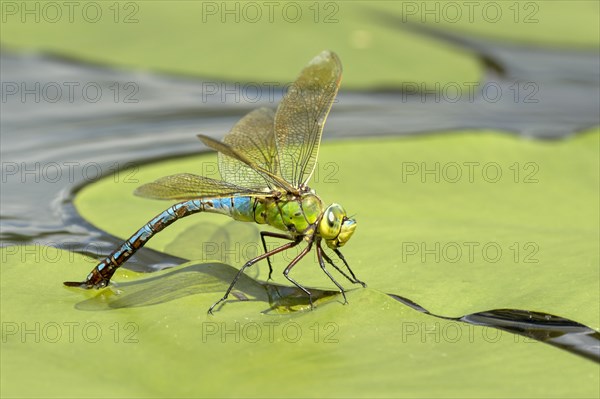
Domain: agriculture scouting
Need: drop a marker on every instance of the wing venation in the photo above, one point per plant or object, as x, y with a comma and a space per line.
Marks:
186, 186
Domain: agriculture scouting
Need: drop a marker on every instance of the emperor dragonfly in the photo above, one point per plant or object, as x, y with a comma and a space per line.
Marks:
265, 161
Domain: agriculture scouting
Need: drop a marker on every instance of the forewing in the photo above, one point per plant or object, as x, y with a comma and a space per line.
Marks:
188, 186
254, 137
269, 179
301, 116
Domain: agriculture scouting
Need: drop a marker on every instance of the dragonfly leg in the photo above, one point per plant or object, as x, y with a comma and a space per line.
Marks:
328, 260
250, 263
292, 264
322, 263
264, 234
339, 254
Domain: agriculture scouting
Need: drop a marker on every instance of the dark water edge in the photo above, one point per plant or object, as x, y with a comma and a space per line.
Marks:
559, 95
553, 330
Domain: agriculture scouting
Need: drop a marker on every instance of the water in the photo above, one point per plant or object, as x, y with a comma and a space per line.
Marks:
553, 330
50, 149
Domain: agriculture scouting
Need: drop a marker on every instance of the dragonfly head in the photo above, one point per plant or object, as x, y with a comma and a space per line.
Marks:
335, 227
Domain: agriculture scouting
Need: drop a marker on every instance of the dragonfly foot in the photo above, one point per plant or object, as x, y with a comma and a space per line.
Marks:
344, 295
210, 310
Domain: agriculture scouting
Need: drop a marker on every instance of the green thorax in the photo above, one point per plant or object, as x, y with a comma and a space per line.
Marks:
296, 214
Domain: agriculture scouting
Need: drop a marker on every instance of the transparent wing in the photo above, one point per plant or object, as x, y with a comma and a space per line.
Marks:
270, 179
301, 115
188, 186
254, 137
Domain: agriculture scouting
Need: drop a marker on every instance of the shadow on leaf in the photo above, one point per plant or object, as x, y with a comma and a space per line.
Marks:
183, 281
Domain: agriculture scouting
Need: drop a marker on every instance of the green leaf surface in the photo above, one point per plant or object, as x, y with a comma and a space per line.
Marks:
214, 39
201, 39
458, 222
148, 339
539, 23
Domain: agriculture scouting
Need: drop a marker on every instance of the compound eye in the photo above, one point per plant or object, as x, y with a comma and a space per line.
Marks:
332, 220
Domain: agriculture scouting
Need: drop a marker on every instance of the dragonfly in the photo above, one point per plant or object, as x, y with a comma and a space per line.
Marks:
265, 163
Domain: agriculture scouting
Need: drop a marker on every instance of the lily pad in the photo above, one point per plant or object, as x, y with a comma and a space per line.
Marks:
141, 340
173, 37
458, 222
270, 39
538, 23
